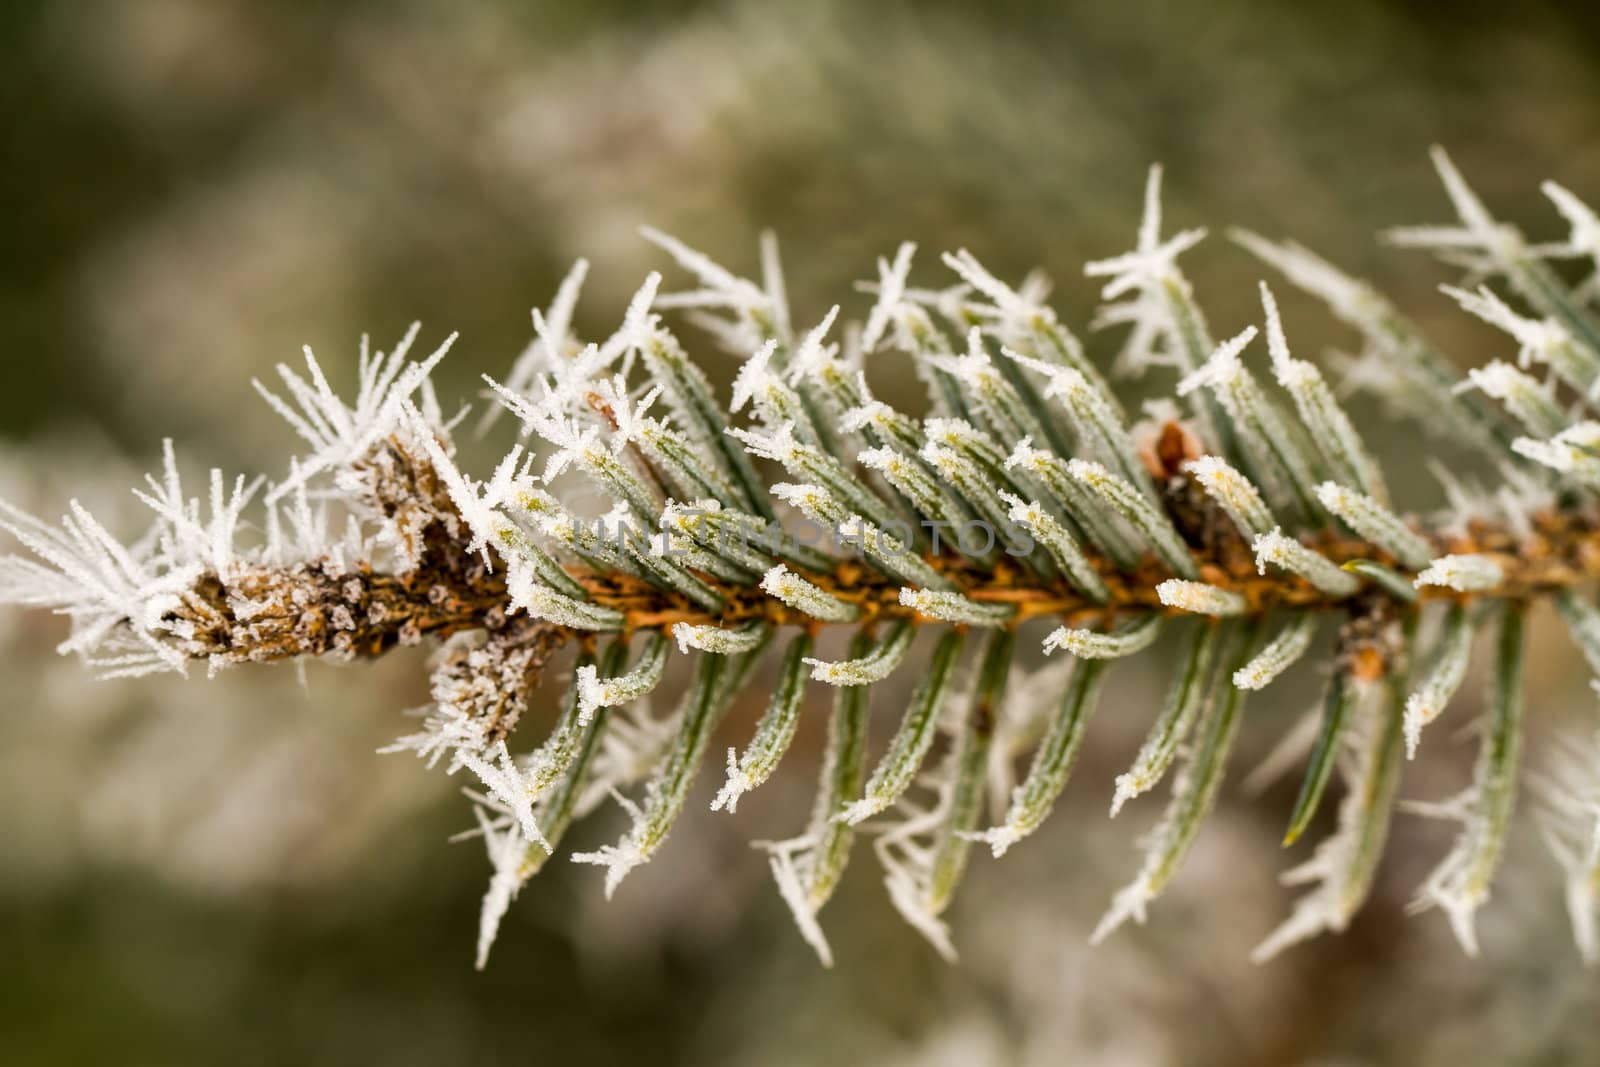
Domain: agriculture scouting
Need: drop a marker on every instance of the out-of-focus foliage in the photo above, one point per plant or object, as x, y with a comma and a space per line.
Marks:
195, 188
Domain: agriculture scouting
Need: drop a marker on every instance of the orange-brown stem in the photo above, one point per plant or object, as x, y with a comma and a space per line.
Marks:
359, 613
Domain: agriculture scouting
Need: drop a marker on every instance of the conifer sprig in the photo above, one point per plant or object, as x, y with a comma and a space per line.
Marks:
1244, 515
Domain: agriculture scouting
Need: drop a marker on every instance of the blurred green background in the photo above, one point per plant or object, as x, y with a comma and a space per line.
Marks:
223, 871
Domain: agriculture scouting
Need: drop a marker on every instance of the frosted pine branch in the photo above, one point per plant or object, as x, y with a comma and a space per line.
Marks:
636, 535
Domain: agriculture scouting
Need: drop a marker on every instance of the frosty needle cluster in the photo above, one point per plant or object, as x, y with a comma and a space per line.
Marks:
1244, 515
